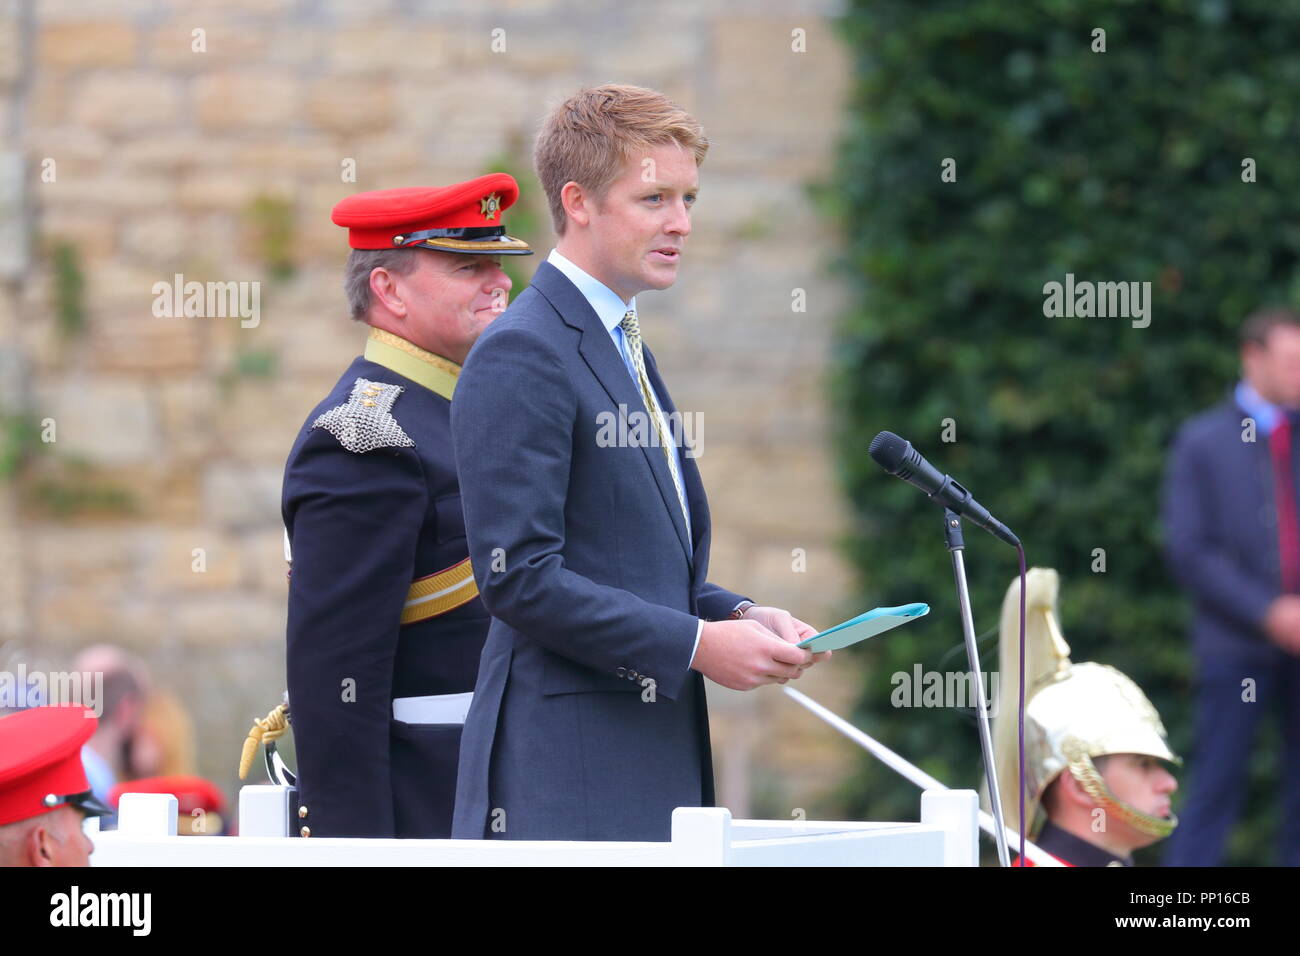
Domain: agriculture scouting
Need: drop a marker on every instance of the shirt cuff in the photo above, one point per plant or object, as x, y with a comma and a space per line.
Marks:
698, 632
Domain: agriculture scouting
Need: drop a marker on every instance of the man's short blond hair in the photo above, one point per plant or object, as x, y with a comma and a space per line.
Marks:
587, 138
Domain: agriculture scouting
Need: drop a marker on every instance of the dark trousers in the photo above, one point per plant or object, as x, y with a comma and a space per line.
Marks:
424, 758
1225, 726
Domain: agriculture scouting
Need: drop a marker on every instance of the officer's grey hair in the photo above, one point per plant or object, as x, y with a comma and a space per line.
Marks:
362, 262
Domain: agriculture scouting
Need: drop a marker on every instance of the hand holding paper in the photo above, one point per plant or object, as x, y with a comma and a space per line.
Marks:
787, 627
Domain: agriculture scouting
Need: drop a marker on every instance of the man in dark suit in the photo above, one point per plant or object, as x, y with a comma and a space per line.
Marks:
587, 522
1233, 542
385, 624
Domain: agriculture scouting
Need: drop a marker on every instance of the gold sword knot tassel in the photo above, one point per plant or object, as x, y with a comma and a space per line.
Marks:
264, 731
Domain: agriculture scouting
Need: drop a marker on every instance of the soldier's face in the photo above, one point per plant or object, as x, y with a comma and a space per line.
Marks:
638, 228
450, 299
1141, 782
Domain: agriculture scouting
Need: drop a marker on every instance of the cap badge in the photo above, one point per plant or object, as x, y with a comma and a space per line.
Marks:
490, 206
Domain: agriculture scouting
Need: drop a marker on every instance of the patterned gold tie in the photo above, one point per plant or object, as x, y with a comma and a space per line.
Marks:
632, 331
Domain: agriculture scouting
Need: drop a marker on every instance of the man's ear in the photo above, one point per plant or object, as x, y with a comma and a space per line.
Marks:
1071, 791
577, 203
40, 846
383, 291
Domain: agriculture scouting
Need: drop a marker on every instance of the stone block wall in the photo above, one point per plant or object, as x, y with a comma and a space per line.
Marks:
148, 138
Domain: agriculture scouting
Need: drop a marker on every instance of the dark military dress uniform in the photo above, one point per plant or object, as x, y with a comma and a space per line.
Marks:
382, 602
1072, 850
385, 624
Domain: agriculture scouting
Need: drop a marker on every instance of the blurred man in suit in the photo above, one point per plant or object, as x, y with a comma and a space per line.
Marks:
1233, 541
591, 551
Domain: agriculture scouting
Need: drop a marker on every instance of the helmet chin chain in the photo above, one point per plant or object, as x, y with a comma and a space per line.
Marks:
1084, 771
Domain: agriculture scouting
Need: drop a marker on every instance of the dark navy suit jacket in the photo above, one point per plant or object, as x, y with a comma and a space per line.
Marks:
362, 527
587, 721
1220, 522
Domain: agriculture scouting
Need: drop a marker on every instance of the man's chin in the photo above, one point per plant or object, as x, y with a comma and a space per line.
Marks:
661, 278
1140, 841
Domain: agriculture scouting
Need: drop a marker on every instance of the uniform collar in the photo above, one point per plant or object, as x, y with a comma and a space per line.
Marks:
1078, 852
394, 353
604, 301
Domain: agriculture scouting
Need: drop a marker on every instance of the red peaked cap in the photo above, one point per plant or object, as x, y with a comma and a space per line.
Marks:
465, 217
40, 759
192, 793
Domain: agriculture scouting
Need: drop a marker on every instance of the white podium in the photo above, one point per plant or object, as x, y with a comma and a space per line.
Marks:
701, 836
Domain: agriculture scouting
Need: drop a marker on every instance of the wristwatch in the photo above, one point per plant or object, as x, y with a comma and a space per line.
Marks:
740, 610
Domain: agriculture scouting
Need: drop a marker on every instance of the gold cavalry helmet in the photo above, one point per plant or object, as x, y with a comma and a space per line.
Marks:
1073, 713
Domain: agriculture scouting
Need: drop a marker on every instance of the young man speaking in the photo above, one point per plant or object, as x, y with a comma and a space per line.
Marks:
589, 719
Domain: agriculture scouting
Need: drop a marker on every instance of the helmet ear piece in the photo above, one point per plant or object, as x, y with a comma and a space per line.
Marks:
1051, 797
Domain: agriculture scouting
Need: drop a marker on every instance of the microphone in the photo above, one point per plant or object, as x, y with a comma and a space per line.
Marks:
899, 458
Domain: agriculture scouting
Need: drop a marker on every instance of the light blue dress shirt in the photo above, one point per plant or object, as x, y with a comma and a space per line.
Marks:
610, 309
1265, 413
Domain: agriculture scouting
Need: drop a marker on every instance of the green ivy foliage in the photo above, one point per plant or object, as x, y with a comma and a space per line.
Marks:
69, 288
1122, 165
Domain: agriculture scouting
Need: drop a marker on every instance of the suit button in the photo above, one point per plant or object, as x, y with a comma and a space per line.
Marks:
302, 813
621, 671
305, 831
632, 675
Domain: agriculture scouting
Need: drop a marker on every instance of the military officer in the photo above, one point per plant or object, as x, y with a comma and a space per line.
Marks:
44, 793
1096, 784
385, 625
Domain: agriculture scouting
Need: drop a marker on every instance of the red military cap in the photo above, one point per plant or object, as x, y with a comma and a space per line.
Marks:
465, 217
40, 762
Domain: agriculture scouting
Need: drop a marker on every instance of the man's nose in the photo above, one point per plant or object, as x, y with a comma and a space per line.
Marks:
680, 223
1168, 783
497, 279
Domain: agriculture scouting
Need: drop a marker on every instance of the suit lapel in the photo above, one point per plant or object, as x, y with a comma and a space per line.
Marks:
691, 480
598, 351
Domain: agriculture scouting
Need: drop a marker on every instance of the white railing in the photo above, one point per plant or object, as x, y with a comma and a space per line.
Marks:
701, 836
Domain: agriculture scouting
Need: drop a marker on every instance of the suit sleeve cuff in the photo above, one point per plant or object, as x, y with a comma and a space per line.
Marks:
699, 631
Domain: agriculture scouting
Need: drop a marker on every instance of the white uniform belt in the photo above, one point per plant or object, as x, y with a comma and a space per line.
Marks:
435, 709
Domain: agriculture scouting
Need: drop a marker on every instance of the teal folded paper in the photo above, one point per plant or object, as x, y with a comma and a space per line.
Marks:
864, 626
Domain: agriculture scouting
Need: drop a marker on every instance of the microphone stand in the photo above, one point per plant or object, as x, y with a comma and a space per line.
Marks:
956, 543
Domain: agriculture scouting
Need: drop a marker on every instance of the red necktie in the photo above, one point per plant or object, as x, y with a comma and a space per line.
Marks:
1288, 532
